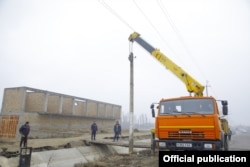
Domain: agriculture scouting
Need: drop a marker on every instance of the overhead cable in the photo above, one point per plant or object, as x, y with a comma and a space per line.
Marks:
115, 13
175, 29
152, 25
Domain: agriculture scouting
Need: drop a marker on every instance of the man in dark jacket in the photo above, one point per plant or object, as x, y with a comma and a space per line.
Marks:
24, 131
94, 129
117, 131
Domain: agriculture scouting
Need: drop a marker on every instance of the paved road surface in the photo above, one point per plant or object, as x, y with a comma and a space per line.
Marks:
240, 142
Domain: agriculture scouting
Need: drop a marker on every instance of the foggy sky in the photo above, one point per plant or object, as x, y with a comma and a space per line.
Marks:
81, 48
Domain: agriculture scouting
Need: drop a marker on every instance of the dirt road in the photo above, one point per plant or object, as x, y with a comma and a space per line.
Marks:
142, 158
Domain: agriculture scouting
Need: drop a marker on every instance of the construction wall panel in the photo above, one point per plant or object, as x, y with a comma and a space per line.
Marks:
67, 106
109, 111
79, 108
12, 100
101, 110
92, 108
117, 112
53, 104
35, 102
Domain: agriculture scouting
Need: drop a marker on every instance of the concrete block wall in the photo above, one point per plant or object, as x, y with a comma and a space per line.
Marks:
34, 102
57, 115
12, 100
63, 126
80, 108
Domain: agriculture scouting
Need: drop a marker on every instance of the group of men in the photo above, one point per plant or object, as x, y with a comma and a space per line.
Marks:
24, 130
117, 131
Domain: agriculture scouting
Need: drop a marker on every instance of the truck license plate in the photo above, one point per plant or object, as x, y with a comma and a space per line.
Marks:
183, 144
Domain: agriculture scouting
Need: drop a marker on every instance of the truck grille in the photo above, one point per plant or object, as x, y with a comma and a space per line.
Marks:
193, 135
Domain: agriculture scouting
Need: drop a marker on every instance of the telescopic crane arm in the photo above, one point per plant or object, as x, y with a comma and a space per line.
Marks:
192, 85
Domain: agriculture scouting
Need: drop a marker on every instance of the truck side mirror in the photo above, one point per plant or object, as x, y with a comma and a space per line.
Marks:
152, 110
224, 107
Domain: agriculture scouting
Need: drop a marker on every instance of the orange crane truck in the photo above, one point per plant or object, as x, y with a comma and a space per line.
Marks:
192, 122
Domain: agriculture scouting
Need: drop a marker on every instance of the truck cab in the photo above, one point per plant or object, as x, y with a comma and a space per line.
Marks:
190, 123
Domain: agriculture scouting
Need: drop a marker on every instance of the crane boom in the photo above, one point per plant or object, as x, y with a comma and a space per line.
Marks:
192, 85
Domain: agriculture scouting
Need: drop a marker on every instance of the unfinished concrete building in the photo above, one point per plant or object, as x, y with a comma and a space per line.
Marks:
52, 114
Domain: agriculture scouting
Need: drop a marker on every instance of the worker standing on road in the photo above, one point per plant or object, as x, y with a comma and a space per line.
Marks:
117, 131
24, 131
94, 129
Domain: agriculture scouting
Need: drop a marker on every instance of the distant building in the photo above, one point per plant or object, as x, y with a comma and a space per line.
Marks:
52, 114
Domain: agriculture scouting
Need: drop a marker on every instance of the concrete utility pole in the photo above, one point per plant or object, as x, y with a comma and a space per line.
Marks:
207, 87
131, 105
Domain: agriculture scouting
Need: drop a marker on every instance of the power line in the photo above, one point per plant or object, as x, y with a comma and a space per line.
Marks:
152, 25
115, 13
167, 16
177, 32
175, 29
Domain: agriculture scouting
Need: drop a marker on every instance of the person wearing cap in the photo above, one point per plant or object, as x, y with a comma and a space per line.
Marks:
24, 131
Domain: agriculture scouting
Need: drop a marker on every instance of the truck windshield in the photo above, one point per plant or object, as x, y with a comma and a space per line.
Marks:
187, 106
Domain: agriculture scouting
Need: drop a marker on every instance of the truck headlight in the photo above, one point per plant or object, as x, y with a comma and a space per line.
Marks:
162, 144
209, 146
